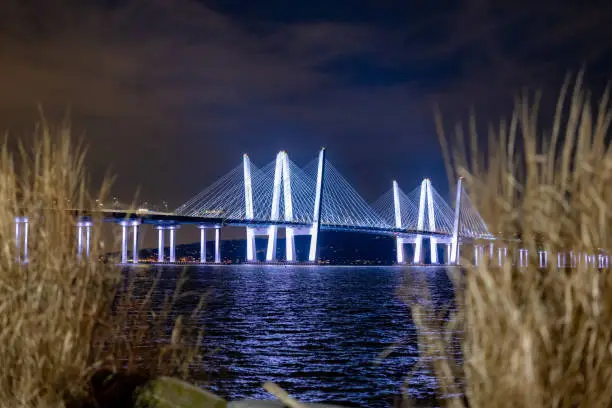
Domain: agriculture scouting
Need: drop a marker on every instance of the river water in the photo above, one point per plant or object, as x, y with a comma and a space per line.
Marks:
316, 331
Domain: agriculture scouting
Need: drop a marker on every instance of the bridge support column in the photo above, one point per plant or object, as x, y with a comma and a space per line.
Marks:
479, 255
501, 254
289, 244
316, 223
399, 248
172, 229
543, 259
251, 247
288, 209
203, 243
274, 214
248, 210
135, 225
540, 259
418, 246
83, 225
523, 258
160, 244
88, 225
25, 239
456, 225
19, 242
433, 244
217, 245
449, 250
433, 241
18, 237
399, 241
272, 237
79, 238
124, 239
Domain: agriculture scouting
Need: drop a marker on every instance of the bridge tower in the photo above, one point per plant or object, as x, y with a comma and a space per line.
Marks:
316, 219
399, 241
282, 179
289, 231
454, 255
248, 205
274, 213
433, 242
426, 198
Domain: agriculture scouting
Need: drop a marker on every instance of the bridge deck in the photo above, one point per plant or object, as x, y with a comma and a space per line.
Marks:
161, 219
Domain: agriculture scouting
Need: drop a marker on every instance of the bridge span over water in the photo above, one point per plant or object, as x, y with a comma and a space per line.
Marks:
304, 201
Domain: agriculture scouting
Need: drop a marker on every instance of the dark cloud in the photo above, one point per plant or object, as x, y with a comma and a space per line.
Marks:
171, 93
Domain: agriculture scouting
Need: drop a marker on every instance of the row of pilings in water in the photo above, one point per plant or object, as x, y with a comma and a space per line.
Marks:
496, 256
491, 254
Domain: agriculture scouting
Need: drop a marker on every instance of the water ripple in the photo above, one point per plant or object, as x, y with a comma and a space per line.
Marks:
317, 331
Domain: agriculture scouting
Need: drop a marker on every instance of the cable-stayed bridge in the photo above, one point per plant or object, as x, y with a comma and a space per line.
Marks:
300, 200
306, 200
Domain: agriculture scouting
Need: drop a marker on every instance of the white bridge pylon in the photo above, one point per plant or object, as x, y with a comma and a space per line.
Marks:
282, 183
282, 179
426, 197
426, 201
431, 217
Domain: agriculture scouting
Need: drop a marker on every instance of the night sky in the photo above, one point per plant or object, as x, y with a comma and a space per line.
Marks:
169, 94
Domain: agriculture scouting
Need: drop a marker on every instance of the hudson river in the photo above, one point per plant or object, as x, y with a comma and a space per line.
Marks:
316, 331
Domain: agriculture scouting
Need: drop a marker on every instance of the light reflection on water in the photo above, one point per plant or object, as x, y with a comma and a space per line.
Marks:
316, 331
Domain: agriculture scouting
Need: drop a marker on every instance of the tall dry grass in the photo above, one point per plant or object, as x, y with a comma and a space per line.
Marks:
64, 317
145, 334
49, 305
533, 337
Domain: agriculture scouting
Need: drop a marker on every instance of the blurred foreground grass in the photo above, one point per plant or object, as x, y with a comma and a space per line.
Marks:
532, 337
70, 328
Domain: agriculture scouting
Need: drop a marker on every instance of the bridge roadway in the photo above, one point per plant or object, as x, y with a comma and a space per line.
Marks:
170, 222
169, 219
